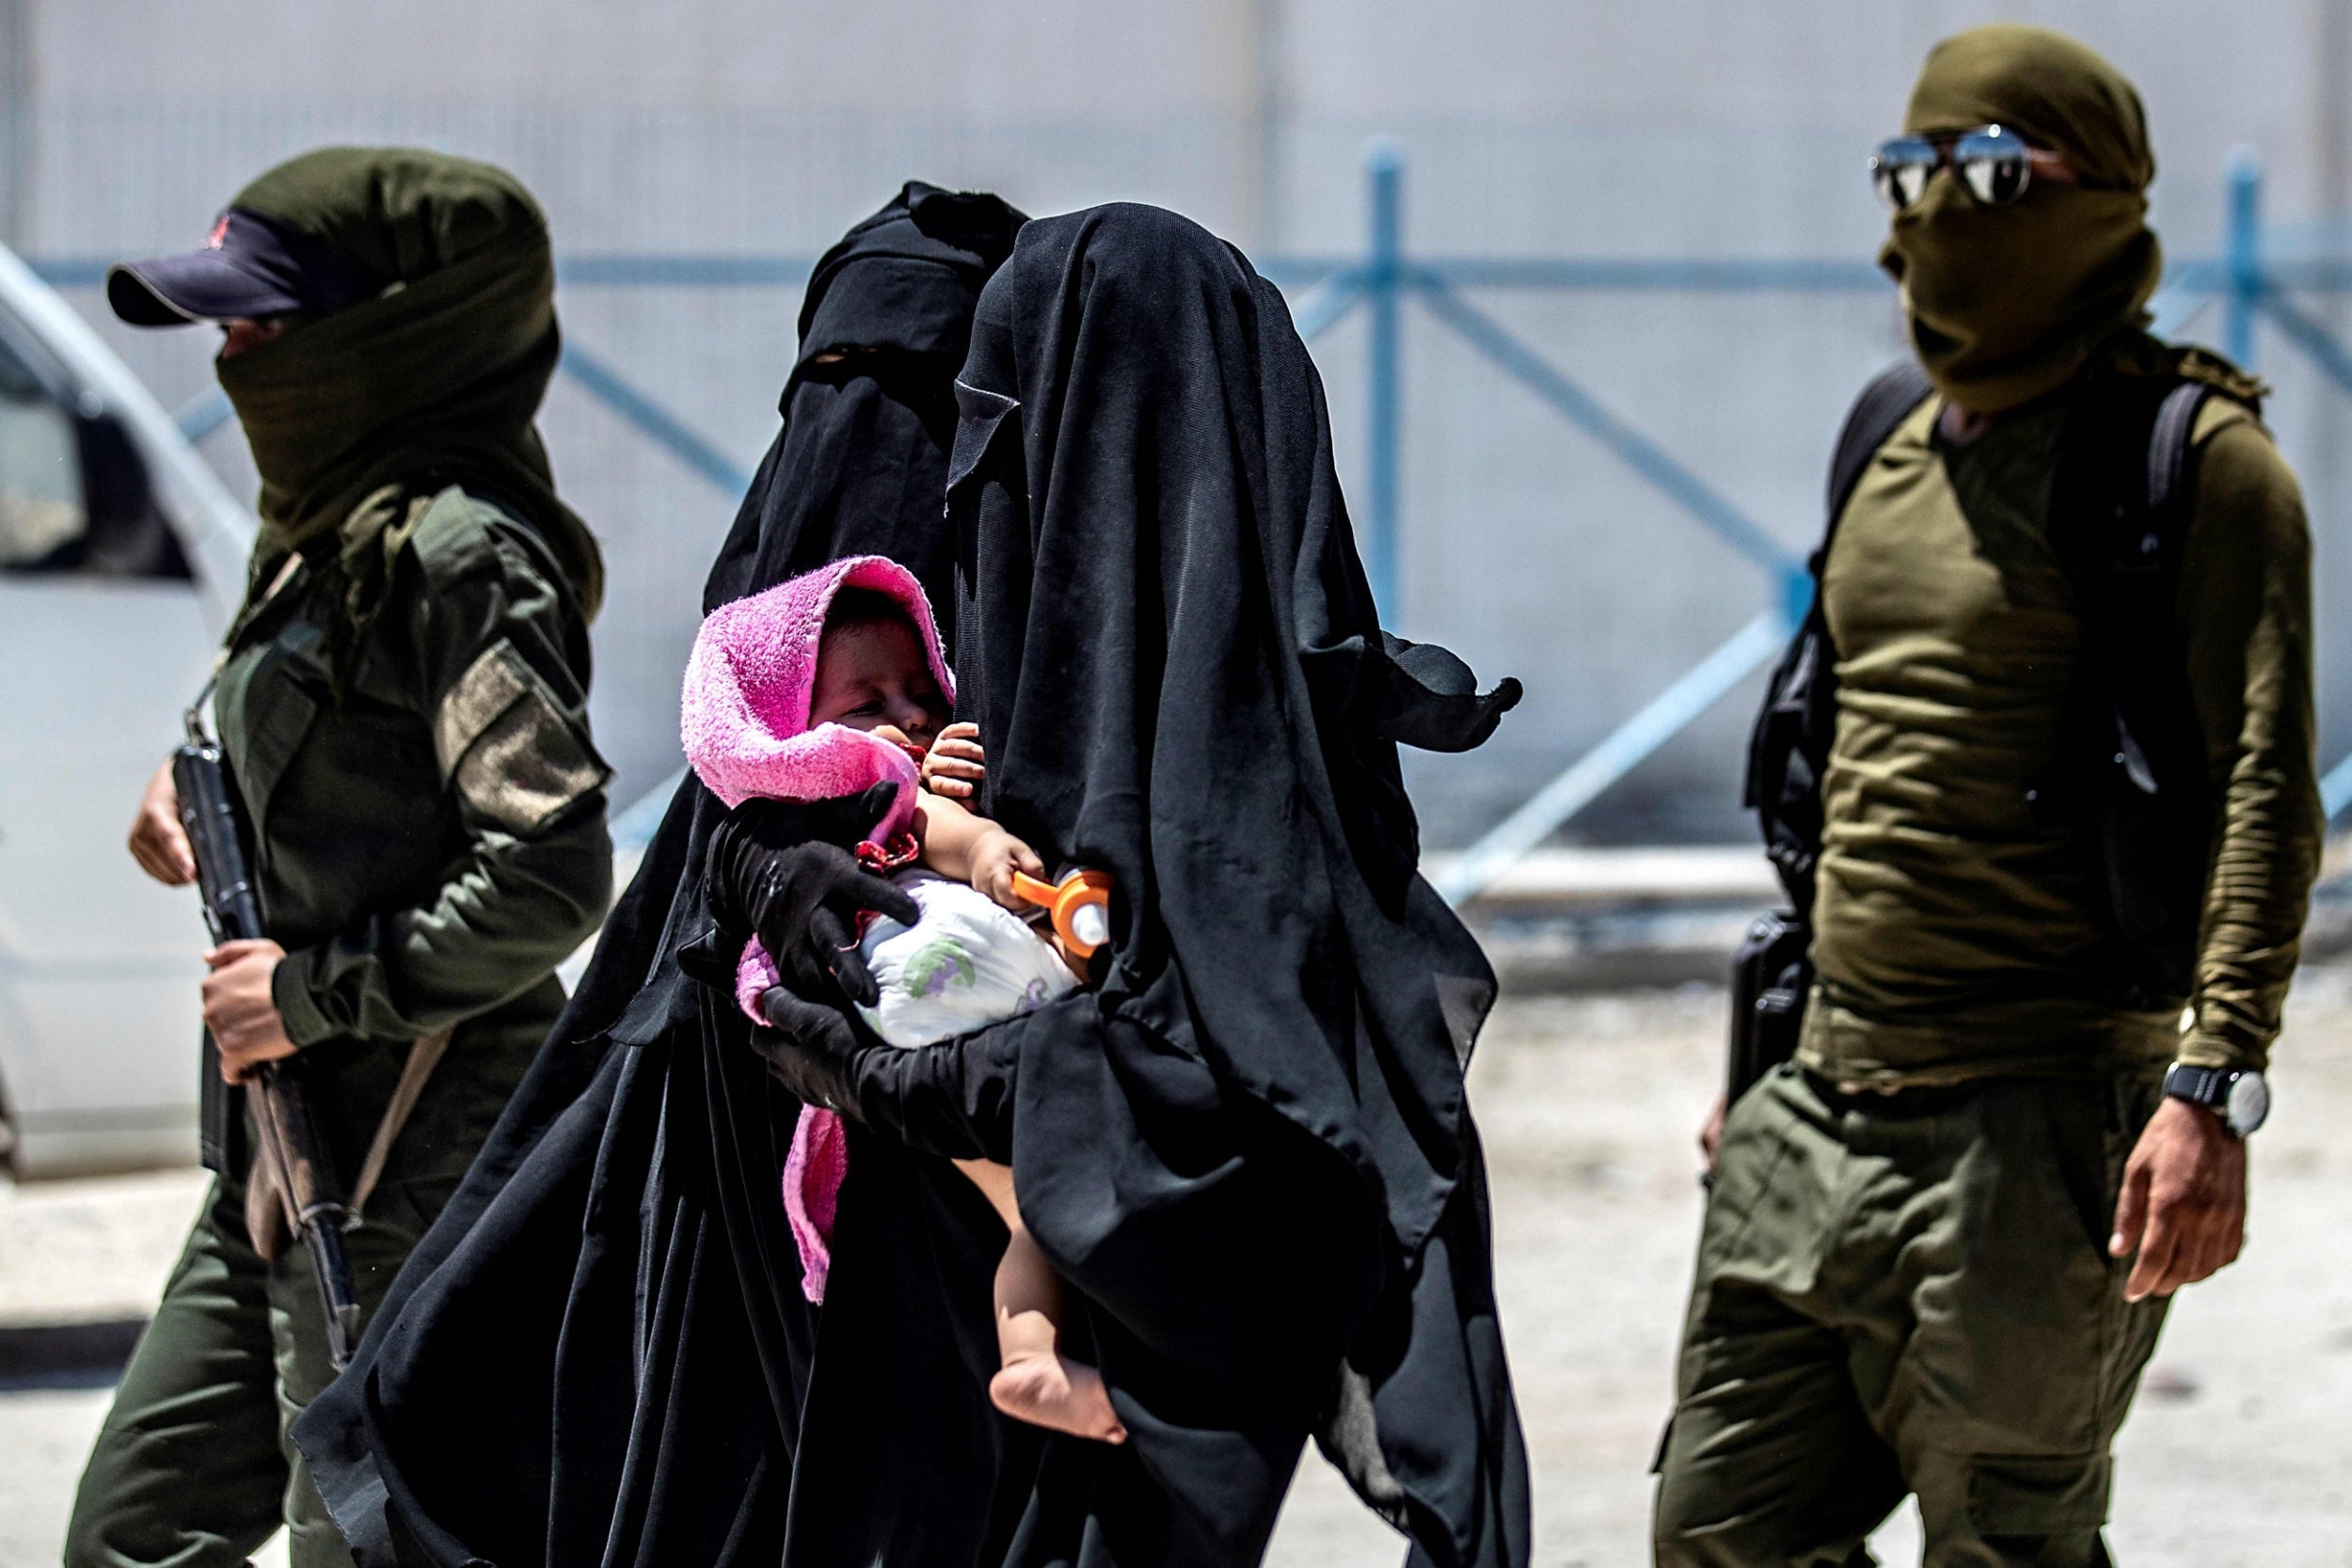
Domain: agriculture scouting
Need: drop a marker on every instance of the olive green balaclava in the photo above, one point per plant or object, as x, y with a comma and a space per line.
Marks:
434, 381
2007, 303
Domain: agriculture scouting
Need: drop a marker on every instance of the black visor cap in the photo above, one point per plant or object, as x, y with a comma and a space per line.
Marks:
249, 268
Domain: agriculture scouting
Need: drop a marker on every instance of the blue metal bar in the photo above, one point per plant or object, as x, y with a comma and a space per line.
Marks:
2319, 275
1636, 449
71, 271
607, 386
1328, 303
626, 269
2174, 308
630, 269
1383, 278
686, 270
2202, 275
1729, 274
2335, 790
204, 413
2241, 252
1631, 274
1624, 749
1302, 267
2330, 359
1738, 275
2327, 355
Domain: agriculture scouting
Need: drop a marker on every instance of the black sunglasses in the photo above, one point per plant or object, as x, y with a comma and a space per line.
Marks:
1993, 160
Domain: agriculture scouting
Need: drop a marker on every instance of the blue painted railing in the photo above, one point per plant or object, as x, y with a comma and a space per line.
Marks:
1383, 279
2248, 288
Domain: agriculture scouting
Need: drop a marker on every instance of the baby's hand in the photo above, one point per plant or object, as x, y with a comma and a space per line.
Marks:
995, 859
955, 765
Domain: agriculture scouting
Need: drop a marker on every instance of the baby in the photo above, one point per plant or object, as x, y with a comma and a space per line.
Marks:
820, 687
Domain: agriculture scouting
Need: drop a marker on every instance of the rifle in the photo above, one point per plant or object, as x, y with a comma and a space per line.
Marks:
289, 1145
1771, 976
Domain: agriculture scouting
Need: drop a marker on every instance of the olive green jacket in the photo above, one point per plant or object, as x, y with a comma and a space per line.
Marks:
426, 815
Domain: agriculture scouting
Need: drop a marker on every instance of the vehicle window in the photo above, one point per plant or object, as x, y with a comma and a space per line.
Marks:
74, 497
42, 509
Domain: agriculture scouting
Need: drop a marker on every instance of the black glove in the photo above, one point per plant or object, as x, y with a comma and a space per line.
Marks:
814, 1051
783, 871
953, 1099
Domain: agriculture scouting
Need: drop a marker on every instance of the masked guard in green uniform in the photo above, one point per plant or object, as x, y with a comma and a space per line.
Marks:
401, 707
2054, 848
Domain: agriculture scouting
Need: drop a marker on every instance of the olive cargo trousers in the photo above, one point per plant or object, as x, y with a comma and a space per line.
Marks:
1907, 1294
193, 1466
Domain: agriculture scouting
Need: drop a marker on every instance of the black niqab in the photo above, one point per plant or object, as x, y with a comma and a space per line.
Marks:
1249, 1150
884, 327
599, 1354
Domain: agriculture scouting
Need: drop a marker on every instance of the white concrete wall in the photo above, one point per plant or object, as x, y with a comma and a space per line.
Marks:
1666, 128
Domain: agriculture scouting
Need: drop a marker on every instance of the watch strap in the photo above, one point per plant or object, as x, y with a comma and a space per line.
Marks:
2239, 1096
2208, 1086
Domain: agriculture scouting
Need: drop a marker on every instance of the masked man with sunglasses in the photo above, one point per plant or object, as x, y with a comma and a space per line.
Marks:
1941, 1240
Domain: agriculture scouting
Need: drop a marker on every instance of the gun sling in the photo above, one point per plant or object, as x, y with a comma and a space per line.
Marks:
275, 1200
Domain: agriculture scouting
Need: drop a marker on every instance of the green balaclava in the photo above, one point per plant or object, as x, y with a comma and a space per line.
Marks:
357, 417
2007, 303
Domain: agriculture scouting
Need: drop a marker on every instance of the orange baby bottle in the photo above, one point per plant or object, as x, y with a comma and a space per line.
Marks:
1079, 905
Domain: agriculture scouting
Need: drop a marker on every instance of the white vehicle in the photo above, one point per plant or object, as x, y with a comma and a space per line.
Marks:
121, 559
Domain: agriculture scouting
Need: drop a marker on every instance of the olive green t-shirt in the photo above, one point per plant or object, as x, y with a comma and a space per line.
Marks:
1953, 935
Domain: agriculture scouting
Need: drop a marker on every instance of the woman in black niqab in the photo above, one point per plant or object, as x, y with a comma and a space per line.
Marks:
601, 1353
1248, 1152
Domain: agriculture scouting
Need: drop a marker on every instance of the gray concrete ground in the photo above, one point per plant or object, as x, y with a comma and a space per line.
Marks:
2238, 1453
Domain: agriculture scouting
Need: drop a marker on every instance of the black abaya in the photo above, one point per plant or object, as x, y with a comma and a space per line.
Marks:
600, 1354
1248, 1152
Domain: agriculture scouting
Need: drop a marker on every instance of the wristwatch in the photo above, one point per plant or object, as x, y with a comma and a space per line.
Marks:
2241, 1098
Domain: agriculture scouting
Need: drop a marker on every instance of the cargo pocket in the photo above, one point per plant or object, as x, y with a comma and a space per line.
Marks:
2037, 1494
1757, 1143
2127, 1329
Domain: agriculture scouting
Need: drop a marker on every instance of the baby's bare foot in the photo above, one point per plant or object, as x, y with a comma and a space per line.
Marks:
1055, 1392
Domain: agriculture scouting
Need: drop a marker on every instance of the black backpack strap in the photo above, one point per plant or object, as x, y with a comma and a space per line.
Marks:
2131, 778
1788, 747
2169, 445
1876, 415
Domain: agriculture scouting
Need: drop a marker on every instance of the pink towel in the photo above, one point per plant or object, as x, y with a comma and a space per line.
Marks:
743, 717
812, 1173
744, 714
